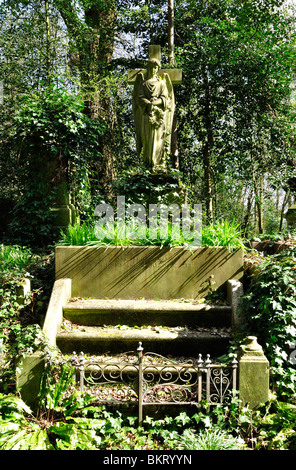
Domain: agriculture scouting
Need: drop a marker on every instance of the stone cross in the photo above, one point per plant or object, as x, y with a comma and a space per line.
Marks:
155, 53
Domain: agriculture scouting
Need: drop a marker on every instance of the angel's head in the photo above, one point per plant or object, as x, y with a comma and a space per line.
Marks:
153, 67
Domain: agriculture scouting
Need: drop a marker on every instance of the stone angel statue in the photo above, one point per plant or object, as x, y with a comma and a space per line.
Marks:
153, 109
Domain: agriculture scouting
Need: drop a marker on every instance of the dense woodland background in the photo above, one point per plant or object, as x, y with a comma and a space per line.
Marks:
66, 99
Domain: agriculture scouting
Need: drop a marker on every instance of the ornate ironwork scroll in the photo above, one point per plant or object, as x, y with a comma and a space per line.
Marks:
123, 375
150, 379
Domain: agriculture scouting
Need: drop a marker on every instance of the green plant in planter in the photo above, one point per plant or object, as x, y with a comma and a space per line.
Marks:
220, 234
223, 233
84, 234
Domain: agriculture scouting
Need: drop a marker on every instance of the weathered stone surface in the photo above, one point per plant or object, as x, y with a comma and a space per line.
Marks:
22, 291
54, 316
63, 212
235, 291
291, 216
153, 110
178, 342
146, 312
253, 374
175, 75
149, 271
28, 377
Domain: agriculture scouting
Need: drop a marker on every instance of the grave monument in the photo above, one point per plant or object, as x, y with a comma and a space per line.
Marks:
153, 103
146, 285
153, 109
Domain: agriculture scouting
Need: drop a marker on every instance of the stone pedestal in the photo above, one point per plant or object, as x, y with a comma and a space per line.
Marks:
64, 213
235, 291
22, 291
28, 377
155, 188
253, 374
291, 216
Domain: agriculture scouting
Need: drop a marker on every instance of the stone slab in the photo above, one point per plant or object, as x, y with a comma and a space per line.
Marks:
150, 271
60, 294
146, 312
28, 377
178, 342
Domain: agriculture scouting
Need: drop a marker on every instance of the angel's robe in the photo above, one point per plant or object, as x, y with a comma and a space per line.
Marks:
154, 121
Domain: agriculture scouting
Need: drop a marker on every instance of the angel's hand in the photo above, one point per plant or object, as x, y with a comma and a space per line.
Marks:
156, 101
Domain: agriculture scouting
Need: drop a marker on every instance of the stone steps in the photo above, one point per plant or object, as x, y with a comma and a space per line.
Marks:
179, 341
100, 326
95, 312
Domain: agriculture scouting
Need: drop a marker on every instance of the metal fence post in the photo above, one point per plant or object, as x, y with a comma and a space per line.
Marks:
81, 361
199, 383
140, 383
74, 363
208, 377
234, 375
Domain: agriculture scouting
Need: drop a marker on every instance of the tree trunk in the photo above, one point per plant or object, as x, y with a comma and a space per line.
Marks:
248, 212
259, 203
98, 55
48, 68
171, 32
207, 153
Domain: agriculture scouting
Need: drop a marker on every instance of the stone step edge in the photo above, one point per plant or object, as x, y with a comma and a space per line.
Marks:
140, 334
141, 313
110, 340
141, 305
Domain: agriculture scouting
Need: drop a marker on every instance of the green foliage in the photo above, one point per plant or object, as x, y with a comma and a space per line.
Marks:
270, 307
223, 233
110, 235
80, 425
220, 234
67, 421
78, 234
288, 235
47, 116
210, 439
21, 319
234, 120
55, 427
84, 427
18, 431
57, 144
142, 186
15, 262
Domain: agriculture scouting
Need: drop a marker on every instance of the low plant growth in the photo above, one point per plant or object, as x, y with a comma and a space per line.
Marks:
222, 233
21, 319
65, 420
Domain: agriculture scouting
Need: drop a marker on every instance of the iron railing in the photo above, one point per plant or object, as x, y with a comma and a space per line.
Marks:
151, 379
